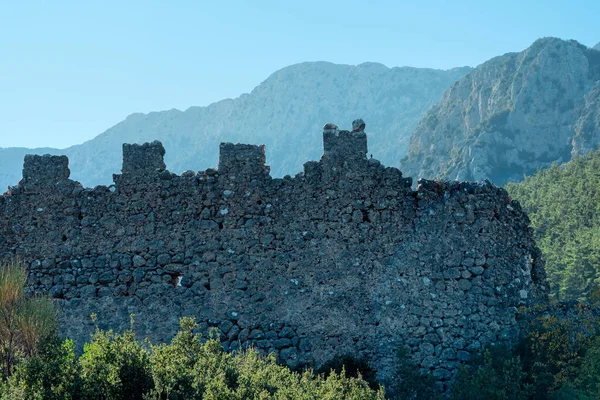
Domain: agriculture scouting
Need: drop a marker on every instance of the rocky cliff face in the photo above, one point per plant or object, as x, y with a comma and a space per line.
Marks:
587, 128
281, 112
512, 115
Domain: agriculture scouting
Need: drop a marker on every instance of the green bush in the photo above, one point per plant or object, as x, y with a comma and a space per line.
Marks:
498, 375
189, 369
410, 383
115, 366
52, 374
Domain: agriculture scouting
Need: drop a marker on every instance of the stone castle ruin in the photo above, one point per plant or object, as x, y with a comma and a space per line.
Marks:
342, 259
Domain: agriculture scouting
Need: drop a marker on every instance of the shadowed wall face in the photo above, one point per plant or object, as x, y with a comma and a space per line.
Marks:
345, 259
42, 171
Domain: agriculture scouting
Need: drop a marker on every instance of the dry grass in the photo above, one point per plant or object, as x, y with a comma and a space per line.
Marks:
24, 320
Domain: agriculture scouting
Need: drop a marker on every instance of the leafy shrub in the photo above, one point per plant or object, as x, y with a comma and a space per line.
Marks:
187, 368
52, 374
410, 383
498, 375
173, 364
115, 366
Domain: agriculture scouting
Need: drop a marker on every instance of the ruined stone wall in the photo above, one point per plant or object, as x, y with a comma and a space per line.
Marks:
343, 259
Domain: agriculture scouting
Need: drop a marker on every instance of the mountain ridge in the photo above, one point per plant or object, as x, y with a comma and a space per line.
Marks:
509, 116
285, 111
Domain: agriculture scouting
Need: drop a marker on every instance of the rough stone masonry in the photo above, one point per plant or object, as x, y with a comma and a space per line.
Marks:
343, 259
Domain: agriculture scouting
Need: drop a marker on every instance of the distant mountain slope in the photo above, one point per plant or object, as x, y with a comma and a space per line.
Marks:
597, 46
286, 112
512, 115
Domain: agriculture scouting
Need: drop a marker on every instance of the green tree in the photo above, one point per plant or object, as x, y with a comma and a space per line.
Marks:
586, 383
554, 346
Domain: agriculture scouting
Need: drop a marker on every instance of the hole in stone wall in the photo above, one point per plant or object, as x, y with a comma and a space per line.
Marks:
207, 285
64, 238
259, 202
177, 280
365, 215
80, 216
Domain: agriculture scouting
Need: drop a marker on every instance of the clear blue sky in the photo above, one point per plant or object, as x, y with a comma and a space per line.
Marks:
71, 69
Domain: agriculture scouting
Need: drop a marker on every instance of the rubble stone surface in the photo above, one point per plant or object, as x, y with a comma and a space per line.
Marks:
343, 259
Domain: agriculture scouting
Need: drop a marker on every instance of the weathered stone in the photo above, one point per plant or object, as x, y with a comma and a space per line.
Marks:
288, 353
244, 335
429, 362
287, 332
226, 326
448, 354
138, 261
257, 334
452, 273
88, 291
271, 335
233, 332
304, 344
282, 343
234, 346
163, 259
441, 374
332, 260
106, 277
138, 274
464, 284
463, 356
57, 291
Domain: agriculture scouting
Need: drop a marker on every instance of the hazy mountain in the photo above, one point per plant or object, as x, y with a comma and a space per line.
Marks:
286, 112
512, 115
597, 46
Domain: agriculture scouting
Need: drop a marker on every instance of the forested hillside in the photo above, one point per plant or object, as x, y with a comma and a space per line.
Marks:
563, 203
